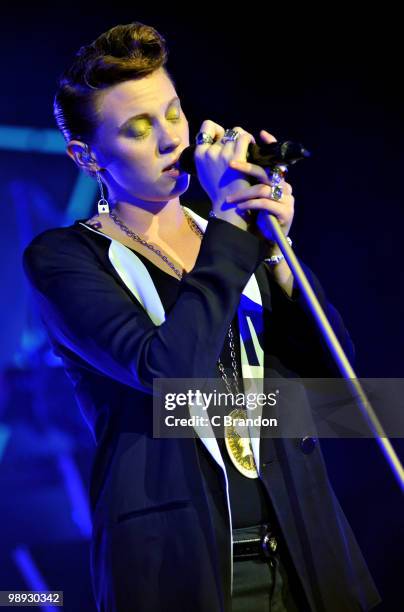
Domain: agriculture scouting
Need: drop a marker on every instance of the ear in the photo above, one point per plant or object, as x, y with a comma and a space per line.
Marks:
79, 152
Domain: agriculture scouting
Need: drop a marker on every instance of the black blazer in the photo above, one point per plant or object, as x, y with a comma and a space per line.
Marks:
157, 544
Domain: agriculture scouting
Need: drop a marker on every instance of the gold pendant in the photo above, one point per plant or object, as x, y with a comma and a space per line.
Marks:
238, 444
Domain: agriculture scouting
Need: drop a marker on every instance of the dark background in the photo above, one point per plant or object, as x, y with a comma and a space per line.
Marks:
326, 77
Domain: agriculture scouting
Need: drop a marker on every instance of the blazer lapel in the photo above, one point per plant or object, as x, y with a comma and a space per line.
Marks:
251, 326
136, 277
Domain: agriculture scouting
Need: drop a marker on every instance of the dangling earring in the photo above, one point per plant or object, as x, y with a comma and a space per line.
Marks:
103, 206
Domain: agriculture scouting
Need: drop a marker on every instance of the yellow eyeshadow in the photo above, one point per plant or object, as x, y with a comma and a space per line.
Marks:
140, 126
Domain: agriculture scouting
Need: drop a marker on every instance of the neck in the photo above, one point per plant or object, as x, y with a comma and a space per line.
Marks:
153, 220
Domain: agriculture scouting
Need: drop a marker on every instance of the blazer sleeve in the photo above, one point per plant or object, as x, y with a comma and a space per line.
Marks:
89, 313
296, 338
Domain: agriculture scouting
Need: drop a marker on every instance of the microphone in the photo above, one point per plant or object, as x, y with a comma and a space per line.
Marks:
266, 155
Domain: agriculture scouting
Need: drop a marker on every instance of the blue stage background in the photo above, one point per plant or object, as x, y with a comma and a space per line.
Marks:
322, 79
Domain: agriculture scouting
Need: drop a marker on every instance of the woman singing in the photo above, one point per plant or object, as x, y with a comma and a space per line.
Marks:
147, 289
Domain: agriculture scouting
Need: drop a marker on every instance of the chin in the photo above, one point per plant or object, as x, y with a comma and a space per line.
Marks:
180, 185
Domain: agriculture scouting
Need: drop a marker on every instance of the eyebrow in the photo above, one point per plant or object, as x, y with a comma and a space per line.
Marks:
145, 115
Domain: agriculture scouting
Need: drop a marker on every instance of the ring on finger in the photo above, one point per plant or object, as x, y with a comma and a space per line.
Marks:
277, 193
203, 138
276, 175
230, 135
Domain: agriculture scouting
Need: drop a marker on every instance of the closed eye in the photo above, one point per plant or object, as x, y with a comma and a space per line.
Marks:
141, 127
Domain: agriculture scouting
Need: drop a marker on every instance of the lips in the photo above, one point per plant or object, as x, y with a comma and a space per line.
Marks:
172, 165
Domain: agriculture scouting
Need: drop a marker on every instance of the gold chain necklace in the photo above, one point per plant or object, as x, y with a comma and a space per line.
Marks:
237, 439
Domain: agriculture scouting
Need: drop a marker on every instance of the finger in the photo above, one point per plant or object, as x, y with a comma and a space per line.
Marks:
274, 208
267, 137
214, 130
237, 148
250, 169
230, 145
287, 203
259, 191
242, 143
263, 175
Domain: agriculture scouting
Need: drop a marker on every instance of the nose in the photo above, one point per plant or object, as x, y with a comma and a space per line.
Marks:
168, 140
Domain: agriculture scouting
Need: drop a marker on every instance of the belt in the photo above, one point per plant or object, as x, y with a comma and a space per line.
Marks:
264, 545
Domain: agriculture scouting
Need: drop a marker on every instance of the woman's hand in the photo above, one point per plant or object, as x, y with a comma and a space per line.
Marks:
259, 197
215, 175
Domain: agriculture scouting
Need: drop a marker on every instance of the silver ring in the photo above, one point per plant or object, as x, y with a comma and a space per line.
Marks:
276, 175
275, 178
203, 138
230, 135
277, 193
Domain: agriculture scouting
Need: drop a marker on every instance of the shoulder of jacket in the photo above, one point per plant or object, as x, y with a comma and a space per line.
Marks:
62, 244
61, 238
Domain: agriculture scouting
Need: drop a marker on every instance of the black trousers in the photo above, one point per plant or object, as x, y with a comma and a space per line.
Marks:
265, 585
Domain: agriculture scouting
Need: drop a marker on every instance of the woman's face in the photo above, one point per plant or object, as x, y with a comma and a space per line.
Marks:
142, 130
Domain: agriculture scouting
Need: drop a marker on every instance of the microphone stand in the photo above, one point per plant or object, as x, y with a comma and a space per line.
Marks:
337, 352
